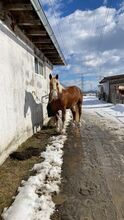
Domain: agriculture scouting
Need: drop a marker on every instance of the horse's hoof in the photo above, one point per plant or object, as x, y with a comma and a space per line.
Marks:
63, 131
79, 124
57, 129
84, 122
73, 125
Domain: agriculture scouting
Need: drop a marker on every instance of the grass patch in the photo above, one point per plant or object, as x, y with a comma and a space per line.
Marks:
12, 172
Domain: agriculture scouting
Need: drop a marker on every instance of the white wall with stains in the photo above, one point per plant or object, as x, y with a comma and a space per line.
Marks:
22, 108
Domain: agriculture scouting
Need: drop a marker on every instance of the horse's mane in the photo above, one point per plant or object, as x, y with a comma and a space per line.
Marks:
61, 86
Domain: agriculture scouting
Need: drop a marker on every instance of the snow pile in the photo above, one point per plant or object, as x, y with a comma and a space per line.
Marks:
103, 109
118, 109
93, 102
34, 200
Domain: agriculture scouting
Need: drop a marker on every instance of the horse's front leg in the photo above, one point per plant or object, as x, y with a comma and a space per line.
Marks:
63, 121
58, 122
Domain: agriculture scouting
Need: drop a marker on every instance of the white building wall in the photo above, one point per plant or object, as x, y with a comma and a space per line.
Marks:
21, 91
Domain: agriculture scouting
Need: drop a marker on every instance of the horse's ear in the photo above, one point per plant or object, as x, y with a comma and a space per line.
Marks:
50, 76
57, 76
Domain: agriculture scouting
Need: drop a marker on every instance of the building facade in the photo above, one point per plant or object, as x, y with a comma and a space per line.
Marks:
110, 89
27, 55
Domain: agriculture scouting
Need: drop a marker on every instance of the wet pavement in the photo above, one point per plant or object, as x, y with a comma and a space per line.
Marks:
93, 172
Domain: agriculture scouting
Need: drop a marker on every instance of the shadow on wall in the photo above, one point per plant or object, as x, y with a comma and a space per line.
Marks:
36, 110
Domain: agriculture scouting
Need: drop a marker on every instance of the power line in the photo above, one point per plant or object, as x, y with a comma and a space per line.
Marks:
101, 33
58, 26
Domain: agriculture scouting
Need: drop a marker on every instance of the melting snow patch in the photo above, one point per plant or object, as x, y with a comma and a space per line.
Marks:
34, 199
105, 110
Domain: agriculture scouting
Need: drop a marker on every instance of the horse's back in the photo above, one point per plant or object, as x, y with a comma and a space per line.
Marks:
74, 91
71, 96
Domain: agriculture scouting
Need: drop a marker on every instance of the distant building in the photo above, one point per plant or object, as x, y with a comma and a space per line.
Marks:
111, 89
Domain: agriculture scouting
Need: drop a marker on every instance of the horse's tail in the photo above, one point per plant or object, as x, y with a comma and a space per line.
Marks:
79, 104
81, 95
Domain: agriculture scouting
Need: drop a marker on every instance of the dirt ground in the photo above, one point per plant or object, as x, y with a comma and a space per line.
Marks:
93, 172
13, 171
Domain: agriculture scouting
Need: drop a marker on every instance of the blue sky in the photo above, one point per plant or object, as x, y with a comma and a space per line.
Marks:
90, 34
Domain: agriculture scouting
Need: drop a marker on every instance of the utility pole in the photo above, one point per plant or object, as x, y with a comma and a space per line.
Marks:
82, 82
91, 86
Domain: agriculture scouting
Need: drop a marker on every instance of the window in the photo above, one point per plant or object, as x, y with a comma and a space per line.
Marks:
39, 68
45, 71
36, 65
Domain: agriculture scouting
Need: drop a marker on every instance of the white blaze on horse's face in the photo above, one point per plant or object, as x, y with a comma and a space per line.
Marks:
54, 87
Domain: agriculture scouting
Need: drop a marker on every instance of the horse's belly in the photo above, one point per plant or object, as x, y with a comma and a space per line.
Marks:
71, 103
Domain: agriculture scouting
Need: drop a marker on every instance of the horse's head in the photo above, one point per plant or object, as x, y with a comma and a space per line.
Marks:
54, 87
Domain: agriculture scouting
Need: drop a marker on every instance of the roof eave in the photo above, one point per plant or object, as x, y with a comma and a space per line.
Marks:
48, 28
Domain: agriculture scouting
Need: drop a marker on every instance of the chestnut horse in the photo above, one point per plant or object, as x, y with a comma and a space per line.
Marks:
61, 98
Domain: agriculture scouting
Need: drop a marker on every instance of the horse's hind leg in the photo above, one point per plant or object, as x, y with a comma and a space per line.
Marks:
80, 109
77, 114
73, 114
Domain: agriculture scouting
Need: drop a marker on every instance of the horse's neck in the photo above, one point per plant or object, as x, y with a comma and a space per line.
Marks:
61, 88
